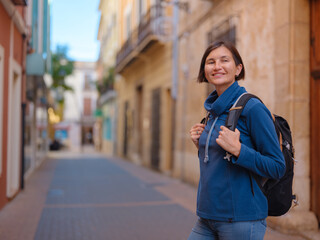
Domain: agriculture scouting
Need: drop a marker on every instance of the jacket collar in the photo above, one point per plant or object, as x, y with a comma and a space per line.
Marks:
217, 105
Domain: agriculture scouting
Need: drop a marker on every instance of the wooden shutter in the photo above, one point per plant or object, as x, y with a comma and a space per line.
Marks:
315, 105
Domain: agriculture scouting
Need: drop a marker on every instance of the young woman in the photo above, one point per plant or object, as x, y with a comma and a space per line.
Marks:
230, 204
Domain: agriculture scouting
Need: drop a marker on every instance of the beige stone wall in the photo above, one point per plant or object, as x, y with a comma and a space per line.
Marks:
272, 37
151, 70
273, 40
108, 110
107, 147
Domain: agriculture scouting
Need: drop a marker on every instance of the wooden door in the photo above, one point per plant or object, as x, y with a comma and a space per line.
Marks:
155, 128
315, 105
126, 128
140, 119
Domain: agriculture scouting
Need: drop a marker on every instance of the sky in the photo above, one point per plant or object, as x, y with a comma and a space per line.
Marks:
75, 24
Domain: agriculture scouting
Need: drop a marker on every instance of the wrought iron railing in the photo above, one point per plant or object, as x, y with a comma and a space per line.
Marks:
148, 24
20, 2
147, 27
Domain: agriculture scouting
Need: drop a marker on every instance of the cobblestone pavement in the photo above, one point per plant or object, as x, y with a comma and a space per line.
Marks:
88, 196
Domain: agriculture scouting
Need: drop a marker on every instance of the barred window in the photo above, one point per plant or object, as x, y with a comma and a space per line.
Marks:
226, 31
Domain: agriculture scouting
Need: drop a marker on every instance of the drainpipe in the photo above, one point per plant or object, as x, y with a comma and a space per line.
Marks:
175, 75
23, 107
175, 51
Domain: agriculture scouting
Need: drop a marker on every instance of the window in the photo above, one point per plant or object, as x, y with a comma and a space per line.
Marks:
141, 10
87, 111
88, 82
128, 23
226, 31
127, 19
107, 133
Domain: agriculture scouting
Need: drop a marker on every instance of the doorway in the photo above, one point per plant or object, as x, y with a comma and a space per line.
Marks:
14, 132
126, 130
155, 128
139, 91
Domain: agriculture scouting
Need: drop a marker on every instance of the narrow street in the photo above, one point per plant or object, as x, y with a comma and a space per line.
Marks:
75, 196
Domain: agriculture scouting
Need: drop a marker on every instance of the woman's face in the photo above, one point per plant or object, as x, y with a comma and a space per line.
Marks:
220, 68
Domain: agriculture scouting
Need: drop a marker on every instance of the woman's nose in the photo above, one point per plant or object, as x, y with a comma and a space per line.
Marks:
217, 65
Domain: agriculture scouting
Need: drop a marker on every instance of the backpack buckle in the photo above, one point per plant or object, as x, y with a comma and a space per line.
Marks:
295, 200
294, 161
228, 156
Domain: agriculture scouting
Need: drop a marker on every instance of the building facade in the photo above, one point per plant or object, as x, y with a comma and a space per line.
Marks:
158, 98
77, 127
144, 86
108, 35
12, 86
24, 60
38, 70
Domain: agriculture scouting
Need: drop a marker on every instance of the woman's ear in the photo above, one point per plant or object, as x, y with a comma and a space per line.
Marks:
239, 69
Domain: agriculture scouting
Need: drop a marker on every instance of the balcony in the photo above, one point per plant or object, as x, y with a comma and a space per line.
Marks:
19, 2
146, 34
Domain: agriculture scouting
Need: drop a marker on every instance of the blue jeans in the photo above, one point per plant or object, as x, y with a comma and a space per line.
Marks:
206, 229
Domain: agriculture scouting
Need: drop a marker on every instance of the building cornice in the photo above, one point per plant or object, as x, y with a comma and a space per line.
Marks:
15, 16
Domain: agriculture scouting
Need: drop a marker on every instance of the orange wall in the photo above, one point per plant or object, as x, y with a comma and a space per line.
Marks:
19, 57
5, 23
17, 50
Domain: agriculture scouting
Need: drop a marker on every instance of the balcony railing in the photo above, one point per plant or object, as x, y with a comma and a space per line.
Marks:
148, 24
147, 32
126, 49
20, 2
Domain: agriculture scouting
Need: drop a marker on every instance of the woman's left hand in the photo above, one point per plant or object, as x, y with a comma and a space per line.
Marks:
229, 140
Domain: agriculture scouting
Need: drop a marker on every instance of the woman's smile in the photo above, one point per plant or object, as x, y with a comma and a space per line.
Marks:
221, 69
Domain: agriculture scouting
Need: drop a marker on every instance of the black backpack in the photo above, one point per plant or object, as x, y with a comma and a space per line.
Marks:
278, 192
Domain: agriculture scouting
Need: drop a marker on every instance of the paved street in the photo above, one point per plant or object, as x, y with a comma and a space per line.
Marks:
87, 196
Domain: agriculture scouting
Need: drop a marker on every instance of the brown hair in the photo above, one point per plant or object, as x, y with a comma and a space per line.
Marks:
235, 54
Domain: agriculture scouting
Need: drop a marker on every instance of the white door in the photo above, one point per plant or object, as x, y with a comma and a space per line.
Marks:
1, 101
14, 130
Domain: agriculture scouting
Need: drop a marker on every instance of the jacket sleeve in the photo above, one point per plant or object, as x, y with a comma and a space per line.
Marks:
266, 159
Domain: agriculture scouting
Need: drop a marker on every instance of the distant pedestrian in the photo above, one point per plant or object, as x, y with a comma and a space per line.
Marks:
230, 204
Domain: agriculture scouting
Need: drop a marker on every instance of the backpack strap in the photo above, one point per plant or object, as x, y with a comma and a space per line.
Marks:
205, 119
236, 110
231, 123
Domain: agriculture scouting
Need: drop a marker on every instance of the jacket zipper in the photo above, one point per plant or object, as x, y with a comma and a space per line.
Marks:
206, 156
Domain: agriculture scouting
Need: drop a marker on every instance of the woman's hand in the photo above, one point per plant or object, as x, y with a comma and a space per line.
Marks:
195, 132
229, 140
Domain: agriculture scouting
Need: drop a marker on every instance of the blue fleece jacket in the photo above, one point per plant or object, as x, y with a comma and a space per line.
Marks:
224, 192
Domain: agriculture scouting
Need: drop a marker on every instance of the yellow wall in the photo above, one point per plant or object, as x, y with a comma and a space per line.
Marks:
108, 35
273, 40
151, 71
108, 32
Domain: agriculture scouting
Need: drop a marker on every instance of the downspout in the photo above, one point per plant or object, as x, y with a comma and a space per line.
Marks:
175, 75
23, 107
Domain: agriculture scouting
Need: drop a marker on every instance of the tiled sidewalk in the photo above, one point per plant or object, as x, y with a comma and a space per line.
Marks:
29, 214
